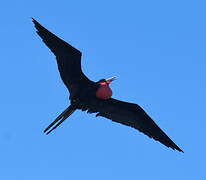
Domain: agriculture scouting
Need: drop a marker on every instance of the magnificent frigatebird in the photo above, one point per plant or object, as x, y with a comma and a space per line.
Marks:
95, 97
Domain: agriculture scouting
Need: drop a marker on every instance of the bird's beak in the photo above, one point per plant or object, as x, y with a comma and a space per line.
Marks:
109, 80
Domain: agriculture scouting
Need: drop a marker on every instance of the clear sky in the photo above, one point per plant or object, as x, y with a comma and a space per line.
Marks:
158, 51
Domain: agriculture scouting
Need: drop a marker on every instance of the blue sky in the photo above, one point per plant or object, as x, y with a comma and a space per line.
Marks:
158, 51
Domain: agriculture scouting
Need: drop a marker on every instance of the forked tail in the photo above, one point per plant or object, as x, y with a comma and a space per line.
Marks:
60, 119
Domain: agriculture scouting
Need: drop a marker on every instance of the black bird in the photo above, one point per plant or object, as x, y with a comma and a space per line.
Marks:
95, 97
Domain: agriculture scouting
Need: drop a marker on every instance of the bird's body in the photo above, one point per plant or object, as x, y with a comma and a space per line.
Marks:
95, 97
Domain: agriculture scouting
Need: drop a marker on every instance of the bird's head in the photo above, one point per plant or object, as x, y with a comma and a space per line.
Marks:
104, 91
107, 81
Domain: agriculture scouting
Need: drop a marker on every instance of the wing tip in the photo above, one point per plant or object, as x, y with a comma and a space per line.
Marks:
178, 149
36, 24
174, 147
33, 20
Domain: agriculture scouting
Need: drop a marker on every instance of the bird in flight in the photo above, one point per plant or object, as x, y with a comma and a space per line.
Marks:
95, 97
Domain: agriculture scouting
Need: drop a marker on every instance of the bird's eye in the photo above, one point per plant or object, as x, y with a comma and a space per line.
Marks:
101, 80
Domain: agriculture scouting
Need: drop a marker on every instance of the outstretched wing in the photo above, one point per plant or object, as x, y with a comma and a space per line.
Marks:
68, 59
131, 115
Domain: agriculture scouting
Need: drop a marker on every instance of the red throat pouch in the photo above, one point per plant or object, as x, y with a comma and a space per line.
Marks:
104, 91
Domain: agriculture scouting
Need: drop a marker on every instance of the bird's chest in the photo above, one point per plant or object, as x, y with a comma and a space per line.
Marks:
104, 92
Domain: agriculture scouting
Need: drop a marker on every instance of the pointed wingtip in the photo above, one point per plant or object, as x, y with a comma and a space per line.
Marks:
177, 149
33, 20
180, 150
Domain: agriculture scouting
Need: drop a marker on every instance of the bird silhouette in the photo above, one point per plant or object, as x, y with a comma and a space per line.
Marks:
95, 97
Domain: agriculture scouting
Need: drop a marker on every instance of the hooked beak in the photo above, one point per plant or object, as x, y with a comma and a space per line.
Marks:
109, 80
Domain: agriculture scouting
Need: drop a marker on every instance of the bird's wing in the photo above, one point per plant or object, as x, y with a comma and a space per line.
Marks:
131, 115
68, 58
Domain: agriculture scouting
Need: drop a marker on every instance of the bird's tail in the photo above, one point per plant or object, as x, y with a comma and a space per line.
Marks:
60, 119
